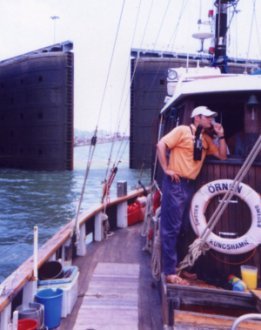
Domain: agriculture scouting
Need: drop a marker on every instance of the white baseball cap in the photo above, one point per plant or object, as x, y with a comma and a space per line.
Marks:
202, 110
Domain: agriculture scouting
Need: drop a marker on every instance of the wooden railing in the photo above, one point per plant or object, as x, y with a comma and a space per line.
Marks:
22, 279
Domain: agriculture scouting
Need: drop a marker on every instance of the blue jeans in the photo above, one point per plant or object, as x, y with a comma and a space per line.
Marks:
174, 218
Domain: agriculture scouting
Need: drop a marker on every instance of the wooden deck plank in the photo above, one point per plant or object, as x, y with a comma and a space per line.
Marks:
124, 246
111, 301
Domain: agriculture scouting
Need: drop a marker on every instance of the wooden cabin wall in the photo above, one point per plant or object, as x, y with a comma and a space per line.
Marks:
213, 170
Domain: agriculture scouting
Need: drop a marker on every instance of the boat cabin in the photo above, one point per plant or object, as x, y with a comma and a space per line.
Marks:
237, 100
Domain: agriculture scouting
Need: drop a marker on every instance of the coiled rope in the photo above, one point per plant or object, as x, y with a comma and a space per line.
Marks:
199, 246
151, 230
147, 219
156, 250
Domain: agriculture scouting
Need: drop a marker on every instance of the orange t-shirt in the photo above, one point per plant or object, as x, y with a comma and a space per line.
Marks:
180, 141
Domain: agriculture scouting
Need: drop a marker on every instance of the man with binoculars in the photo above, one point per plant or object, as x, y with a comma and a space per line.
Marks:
181, 154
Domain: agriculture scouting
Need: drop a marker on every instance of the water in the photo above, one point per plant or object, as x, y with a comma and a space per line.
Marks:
50, 199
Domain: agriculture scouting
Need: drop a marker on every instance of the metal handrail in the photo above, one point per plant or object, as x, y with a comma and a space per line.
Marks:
244, 318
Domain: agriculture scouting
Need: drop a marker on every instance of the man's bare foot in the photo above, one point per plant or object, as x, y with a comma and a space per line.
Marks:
175, 279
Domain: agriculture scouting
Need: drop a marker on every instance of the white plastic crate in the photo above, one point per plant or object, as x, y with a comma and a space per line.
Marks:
70, 291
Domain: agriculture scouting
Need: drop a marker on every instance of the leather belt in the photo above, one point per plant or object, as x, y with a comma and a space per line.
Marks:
186, 180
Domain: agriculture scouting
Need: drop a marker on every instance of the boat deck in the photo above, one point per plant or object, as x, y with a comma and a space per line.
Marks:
203, 306
112, 293
116, 286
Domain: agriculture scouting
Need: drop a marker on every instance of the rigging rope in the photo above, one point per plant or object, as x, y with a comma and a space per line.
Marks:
174, 35
231, 18
156, 250
147, 218
149, 211
258, 34
156, 157
94, 138
134, 70
250, 32
161, 24
123, 104
111, 60
107, 184
110, 177
155, 42
200, 246
144, 33
182, 10
146, 23
89, 160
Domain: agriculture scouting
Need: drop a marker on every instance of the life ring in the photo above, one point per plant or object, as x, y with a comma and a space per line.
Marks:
242, 244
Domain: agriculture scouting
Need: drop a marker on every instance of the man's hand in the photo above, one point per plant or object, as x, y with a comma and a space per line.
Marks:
173, 175
218, 128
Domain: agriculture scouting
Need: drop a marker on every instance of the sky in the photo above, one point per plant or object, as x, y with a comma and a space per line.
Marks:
102, 56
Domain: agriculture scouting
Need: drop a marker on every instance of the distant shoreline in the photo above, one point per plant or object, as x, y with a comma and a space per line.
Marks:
87, 141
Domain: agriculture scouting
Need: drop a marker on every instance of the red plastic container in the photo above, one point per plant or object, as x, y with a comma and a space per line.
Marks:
27, 324
135, 213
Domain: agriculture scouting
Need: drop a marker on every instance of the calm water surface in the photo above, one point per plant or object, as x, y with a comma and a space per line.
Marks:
50, 199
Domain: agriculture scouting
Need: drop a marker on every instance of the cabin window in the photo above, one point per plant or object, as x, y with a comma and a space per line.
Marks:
240, 115
241, 119
242, 130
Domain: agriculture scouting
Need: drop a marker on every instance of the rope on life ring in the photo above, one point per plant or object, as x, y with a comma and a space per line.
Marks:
245, 243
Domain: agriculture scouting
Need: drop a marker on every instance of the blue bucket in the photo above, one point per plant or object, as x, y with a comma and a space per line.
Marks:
52, 301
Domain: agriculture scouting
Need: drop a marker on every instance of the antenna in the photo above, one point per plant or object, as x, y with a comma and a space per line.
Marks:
54, 18
204, 31
220, 57
202, 36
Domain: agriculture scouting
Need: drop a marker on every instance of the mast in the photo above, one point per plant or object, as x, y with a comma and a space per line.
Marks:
220, 55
